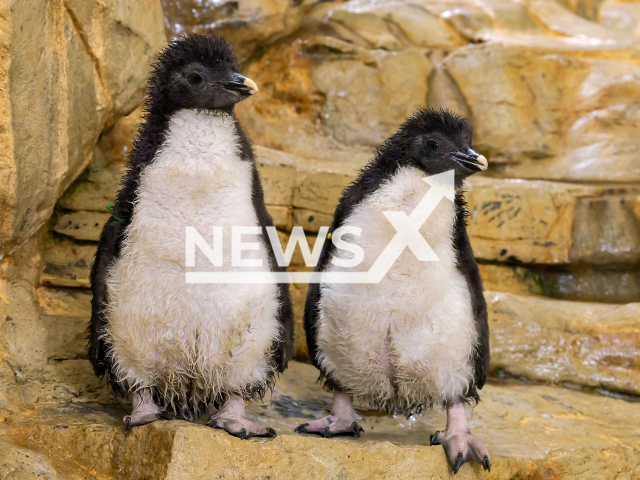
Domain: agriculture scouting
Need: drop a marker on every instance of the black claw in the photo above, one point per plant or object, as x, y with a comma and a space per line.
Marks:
433, 440
354, 431
458, 463
486, 464
300, 428
271, 432
213, 424
128, 424
241, 434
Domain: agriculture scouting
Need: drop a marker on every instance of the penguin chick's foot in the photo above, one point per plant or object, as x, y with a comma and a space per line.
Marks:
458, 442
341, 421
232, 418
144, 411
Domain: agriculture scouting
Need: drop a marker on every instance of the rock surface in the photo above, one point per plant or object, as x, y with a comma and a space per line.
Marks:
247, 24
551, 88
69, 70
590, 344
531, 432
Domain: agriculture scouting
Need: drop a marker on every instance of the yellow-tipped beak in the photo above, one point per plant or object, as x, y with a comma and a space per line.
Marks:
482, 160
253, 88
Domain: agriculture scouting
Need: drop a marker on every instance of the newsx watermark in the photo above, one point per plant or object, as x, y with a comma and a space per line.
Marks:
407, 236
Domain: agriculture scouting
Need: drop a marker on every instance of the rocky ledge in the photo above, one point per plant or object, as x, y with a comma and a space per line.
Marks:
532, 432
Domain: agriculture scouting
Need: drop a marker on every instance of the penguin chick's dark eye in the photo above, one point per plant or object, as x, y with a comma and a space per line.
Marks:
195, 79
433, 145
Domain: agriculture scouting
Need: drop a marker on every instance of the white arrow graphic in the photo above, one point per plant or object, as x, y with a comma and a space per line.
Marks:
407, 235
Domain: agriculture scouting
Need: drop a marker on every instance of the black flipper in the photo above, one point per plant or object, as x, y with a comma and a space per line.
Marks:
108, 251
469, 268
283, 350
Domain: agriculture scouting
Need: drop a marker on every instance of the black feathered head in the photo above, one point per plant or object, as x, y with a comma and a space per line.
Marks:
436, 141
197, 72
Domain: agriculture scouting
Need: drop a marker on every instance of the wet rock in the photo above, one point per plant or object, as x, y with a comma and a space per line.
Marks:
312, 101
514, 421
517, 94
607, 230
590, 344
575, 282
589, 284
66, 337
247, 24
560, 20
621, 16
345, 83
86, 64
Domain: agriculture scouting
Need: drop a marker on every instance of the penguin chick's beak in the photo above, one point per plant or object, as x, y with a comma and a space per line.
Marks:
241, 84
471, 159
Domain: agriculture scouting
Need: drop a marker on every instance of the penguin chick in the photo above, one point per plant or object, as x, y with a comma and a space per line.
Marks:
420, 336
172, 345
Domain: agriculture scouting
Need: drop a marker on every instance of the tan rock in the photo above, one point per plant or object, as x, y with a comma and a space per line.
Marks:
550, 114
561, 21
607, 230
590, 344
588, 9
511, 279
299, 111
546, 222
22, 337
74, 302
278, 173
515, 422
123, 38
85, 63
81, 225
489, 20
247, 24
20, 463
98, 185
320, 184
346, 83
67, 264
310, 220
620, 16
282, 216
62, 382
66, 337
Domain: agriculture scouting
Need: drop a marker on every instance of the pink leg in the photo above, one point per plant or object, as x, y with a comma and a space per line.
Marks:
341, 421
232, 418
144, 410
458, 442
